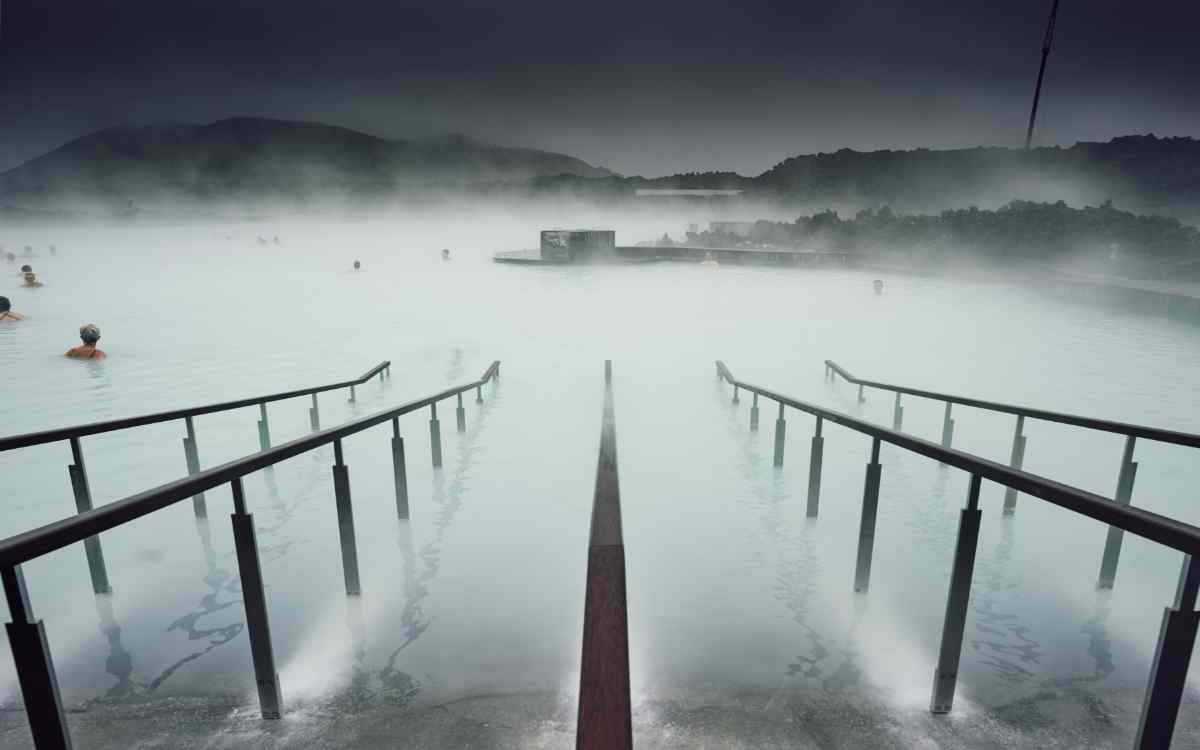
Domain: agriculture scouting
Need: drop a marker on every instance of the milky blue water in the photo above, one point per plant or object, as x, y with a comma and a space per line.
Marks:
730, 587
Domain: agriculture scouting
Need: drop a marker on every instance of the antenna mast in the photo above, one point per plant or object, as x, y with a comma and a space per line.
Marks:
1037, 92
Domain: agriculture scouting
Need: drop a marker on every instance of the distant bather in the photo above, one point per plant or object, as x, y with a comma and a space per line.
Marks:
6, 311
879, 286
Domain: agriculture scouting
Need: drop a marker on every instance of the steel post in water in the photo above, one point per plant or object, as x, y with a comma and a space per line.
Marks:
1112, 543
861, 398
83, 503
897, 414
35, 668
192, 456
254, 599
461, 415
345, 514
945, 675
1168, 674
947, 427
314, 415
754, 413
435, 436
814, 472
352, 397
866, 529
264, 428
400, 472
780, 427
1015, 461
479, 394
735, 394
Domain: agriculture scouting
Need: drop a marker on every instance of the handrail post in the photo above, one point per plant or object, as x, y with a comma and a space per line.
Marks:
814, 471
861, 398
1112, 543
736, 400
1168, 673
754, 413
947, 427
866, 529
897, 414
314, 415
435, 435
264, 428
35, 668
345, 514
1015, 461
780, 429
399, 471
83, 503
945, 675
352, 397
254, 599
479, 394
461, 415
191, 456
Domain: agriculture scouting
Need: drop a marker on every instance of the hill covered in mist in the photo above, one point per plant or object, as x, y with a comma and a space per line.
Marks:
1141, 173
1096, 239
256, 157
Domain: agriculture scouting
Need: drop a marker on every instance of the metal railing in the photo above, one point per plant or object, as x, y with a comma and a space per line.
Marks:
191, 454
1180, 621
605, 720
1125, 476
31, 653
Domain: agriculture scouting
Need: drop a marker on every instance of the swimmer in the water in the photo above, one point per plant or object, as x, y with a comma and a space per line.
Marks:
445, 253
89, 334
357, 266
26, 269
31, 279
879, 286
6, 311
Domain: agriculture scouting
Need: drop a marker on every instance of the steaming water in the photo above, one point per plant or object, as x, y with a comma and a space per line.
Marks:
732, 591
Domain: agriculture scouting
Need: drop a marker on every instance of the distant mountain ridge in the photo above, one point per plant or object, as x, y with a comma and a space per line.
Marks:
1142, 173
259, 155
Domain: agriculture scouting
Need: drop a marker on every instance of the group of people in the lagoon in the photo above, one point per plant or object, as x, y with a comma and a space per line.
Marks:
445, 256
89, 334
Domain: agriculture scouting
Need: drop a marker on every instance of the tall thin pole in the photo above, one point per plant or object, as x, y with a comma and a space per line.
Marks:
1037, 92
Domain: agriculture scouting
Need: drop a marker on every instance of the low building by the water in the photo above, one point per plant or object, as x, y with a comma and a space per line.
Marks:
577, 244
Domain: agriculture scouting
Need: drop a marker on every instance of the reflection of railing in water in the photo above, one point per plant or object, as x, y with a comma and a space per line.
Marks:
1125, 477
78, 471
1180, 622
31, 653
605, 720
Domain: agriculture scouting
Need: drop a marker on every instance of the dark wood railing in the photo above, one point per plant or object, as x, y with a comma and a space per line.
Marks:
605, 714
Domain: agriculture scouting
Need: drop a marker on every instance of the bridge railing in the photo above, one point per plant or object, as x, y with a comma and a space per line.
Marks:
1125, 476
1180, 621
31, 653
605, 720
77, 470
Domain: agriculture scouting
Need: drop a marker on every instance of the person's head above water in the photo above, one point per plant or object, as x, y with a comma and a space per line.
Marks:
26, 268
357, 265
89, 333
5, 305
30, 278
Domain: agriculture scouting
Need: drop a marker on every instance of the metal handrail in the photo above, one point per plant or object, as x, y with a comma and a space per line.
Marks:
67, 433
27, 636
24, 547
1167, 531
1177, 634
1105, 425
605, 719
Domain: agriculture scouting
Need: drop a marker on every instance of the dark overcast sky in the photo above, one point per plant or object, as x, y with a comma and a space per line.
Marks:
646, 87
